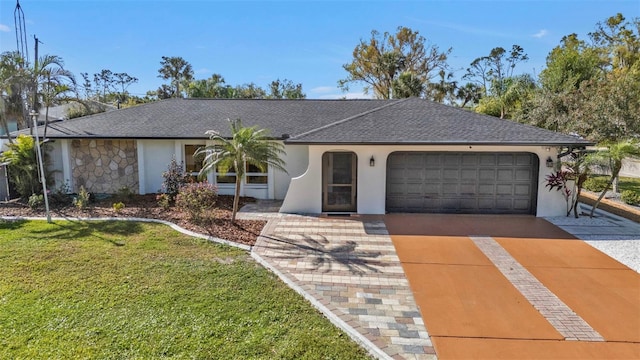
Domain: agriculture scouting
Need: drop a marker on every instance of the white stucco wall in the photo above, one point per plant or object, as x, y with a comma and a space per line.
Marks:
153, 158
304, 194
56, 165
155, 155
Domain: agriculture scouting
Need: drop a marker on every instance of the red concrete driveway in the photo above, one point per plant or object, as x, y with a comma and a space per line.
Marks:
507, 287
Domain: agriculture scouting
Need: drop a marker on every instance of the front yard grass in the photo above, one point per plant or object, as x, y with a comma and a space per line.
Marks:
118, 290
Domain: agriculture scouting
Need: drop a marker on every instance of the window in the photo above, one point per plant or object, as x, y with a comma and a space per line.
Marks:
253, 176
228, 178
192, 164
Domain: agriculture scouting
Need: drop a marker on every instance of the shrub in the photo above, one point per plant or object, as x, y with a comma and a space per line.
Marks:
82, 200
164, 201
23, 165
61, 195
117, 207
174, 178
596, 184
196, 199
36, 200
630, 197
124, 194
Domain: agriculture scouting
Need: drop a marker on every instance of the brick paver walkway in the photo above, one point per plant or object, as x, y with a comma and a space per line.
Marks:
349, 268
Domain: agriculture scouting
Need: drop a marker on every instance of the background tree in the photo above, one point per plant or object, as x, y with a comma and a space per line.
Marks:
407, 85
247, 146
15, 80
381, 60
494, 74
285, 89
56, 85
178, 71
468, 95
123, 81
248, 91
212, 88
612, 156
591, 89
104, 84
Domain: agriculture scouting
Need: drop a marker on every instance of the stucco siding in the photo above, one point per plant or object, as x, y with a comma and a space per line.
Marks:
304, 195
157, 155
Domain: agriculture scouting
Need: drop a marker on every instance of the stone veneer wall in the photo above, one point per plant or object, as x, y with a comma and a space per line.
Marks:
104, 166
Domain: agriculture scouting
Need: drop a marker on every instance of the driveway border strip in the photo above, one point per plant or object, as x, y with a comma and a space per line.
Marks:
559, 315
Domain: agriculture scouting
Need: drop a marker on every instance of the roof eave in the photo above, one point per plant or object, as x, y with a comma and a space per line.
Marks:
445, 143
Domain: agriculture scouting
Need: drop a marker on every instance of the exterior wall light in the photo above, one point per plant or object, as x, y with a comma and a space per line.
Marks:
372, 161
549, 162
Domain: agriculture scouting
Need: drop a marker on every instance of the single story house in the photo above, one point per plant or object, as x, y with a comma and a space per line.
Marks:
354, 156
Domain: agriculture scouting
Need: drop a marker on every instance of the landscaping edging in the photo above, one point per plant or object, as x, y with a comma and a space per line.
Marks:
614, 207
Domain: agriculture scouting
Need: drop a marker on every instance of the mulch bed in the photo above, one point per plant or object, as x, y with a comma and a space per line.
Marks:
218, 223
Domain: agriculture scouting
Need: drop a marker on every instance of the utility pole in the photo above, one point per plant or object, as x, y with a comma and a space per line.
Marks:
34, 116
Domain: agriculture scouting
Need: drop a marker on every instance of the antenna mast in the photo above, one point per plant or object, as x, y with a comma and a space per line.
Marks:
21, 32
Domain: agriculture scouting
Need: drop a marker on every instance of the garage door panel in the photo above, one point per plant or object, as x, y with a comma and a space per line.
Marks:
505, 175
521, 204
506, 160
486, 204
523, 175
522, 190
524, 159
450, 182
468, 174
487, 160
502, 189
486, 189
487, 175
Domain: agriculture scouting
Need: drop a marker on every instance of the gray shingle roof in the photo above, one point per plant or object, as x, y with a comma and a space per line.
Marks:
407, 121
417, 121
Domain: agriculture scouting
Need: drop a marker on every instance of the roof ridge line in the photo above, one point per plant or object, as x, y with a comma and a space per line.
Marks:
341, 121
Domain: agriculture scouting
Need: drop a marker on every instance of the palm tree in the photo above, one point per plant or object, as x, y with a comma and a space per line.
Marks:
56, 83
14, 78
247, 146
23, 165
614, 154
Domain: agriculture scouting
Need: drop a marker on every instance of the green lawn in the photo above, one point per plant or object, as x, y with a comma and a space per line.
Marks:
627, 183
118, 290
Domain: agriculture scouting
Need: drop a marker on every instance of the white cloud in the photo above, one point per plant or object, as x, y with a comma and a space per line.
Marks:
541, 33
5, 28
351, 95
322, 89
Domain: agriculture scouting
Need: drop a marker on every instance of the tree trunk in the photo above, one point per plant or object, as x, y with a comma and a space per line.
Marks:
5, 127
614, 174
236, 200
46, 123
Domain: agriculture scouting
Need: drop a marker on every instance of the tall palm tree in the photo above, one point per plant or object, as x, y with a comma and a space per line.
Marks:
56, 84
247, 146
614, 154
14, 79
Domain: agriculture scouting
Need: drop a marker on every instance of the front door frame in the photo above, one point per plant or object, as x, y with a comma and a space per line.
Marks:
327, 182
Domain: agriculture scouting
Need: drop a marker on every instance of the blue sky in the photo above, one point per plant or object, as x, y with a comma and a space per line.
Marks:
304, 41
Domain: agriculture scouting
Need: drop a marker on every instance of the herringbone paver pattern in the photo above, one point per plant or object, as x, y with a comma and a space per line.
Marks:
350, 266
